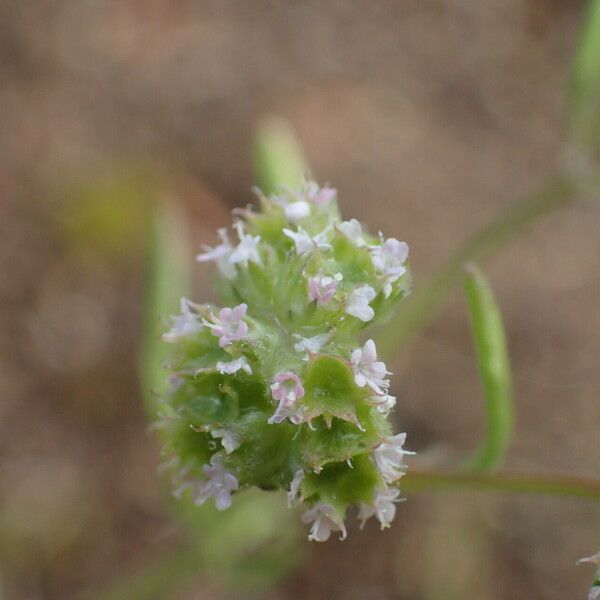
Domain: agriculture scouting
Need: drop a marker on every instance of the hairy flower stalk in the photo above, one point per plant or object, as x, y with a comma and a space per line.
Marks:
273, 388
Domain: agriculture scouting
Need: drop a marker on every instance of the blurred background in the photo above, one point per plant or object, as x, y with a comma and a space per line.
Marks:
430, 117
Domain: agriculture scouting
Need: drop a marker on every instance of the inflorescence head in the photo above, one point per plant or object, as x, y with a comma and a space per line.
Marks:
274, 390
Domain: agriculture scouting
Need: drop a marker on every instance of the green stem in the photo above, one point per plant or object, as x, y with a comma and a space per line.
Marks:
426, 300
494, 370
521, 483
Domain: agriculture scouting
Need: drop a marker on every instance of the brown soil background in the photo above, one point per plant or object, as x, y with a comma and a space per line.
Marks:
429, 117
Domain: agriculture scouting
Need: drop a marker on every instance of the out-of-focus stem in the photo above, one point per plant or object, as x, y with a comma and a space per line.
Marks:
521, 483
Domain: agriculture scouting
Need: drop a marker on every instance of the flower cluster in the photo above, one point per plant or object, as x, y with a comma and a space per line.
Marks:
273, 389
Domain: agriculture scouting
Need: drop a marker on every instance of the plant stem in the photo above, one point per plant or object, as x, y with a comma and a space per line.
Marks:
525, 483
494, 369
422, 306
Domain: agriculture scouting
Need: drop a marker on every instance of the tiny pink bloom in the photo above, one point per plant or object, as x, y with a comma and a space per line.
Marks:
324, 522
383, 507
368, 370
389, 458
229, 326
285, 389
320, 195
220, 255
183, 325
322, 288
218, 485
388, 260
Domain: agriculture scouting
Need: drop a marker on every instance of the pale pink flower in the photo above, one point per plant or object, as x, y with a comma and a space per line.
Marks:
324, 522
247, 249
184, 325
322, 288
388, 260
229, 439
305, 244
219, 485
319, 195
358, 301
233, 366
311, 345
285, 389
220, 255
383, 507
389, 458
229, 326
352, 229
368, 370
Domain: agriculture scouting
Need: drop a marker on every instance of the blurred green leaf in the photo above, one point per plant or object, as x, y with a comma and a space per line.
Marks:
278, 157
169, 278
584, 92
494, 369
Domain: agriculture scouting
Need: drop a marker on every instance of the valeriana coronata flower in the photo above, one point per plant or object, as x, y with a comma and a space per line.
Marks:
305, 244
311, 345
229, 440
383, 507
229, 326
358, 302
324, 522
389, 458
319, 195
368, 370
247, 250
184, 325
233, 366
271, 387
594, 593
388, 260
218, 485
220, 255
285, 389
322, 288
352, 229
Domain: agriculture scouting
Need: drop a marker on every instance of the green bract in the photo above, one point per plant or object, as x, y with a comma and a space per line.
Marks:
273, 390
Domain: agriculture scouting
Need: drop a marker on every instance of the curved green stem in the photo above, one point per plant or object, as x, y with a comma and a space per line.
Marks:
494, 370
426, 300
522, 483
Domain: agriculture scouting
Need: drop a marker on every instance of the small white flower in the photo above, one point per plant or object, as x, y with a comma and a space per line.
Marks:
233, 366
311, 345
357, 304
247, 249
384, 403
285, 389
322, 288
305, 244
324, 522
296, 211
295, 484
383, 507
388, 260
220, 255
594, 593
368, 370
352, 229
229, 326
389, 458
219, 485
184, 324
229, 440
